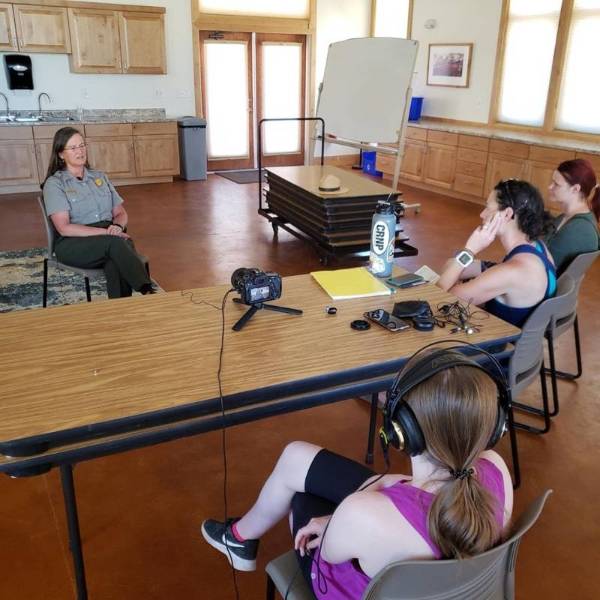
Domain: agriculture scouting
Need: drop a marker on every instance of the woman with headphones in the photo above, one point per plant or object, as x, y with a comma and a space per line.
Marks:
446, 412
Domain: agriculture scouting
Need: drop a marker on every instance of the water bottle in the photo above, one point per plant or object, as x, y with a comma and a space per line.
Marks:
383, 239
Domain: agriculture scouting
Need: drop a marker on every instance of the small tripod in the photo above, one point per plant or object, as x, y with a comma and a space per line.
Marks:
256, 307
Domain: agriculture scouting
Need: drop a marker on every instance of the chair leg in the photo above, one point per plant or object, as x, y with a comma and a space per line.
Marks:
372, 426
577, 375
544, 412
45, 292
270, 589
88, 292
553, 378
514, 449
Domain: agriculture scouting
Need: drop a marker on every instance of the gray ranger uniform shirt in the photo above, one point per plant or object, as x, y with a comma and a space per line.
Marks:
87, 201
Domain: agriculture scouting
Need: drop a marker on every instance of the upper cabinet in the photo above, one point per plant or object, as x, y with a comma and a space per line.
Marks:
129, 39
106, 41
95, 36
30, 28
142, 42
8, 33
42, 29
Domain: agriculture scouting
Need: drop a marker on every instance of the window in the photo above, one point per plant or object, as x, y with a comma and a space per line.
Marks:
542, 38
528, 52
391, 18
580, 86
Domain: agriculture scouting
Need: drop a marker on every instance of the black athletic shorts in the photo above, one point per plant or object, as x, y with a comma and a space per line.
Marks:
329, 480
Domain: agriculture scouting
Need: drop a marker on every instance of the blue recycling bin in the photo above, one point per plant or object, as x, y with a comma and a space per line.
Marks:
416, 106
369, 160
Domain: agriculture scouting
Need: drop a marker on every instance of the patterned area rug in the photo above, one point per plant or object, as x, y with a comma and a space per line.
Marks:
22, 282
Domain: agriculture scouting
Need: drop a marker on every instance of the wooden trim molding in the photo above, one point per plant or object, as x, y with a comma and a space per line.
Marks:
237, 23
92, 5
560, 51
492, 118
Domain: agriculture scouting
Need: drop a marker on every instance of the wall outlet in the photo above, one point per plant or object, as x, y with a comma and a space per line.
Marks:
158, 93
184, 94
84, 93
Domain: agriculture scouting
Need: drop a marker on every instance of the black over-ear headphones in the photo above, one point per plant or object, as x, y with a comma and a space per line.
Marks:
400, 426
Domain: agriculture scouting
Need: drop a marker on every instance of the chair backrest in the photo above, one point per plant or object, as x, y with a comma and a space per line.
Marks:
49, 227
579, 266
489, 575
526, 361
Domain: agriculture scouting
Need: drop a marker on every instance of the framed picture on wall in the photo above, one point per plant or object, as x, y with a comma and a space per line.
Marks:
449, 64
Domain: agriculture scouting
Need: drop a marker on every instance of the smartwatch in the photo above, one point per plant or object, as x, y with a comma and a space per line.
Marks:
464, 258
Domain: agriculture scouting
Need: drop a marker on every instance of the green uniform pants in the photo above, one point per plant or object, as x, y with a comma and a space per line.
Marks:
117, 256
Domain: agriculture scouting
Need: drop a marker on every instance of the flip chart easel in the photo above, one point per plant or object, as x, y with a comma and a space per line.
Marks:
365, 94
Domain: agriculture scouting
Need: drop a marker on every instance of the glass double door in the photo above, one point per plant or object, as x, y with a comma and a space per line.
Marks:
247, 77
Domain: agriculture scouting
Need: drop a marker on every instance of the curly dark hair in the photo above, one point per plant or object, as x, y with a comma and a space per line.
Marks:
528, 207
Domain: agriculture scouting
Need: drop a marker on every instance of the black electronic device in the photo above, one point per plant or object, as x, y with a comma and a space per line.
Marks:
400, 426
385, 319
256, 287
418, 312
18, 71
408, 280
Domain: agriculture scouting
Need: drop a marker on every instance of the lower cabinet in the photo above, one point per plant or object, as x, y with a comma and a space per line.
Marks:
113, 156
18, 165
156, 155
501, 167
440, 165
413, 161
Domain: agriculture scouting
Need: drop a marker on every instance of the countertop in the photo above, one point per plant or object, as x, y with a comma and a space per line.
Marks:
90, 117
510, 136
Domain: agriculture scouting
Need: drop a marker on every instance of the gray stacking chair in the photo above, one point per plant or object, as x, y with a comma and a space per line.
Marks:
490, 575
527, 361
568, 318
51, 259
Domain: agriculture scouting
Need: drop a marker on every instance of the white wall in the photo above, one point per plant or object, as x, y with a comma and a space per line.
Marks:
174, 91
458, 21
338, 20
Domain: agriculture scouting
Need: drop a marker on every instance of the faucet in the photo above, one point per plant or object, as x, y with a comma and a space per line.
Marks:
5, 100
40, 101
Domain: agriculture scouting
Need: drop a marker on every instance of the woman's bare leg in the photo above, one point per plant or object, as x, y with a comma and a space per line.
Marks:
275, 498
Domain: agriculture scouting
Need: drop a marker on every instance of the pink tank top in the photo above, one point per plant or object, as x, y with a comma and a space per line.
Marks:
345, 581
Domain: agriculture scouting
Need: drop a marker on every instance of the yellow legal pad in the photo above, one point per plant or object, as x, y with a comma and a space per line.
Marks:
351, 283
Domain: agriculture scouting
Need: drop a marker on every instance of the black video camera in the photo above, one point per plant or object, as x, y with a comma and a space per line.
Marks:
255, 286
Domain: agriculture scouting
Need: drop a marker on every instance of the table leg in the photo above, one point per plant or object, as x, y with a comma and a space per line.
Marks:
372, 425
66, 475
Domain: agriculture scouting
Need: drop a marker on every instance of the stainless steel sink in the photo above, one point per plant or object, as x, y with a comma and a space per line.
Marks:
27, 119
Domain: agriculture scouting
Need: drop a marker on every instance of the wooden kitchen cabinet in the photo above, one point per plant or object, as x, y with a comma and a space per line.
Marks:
95, 41
502, 167
413, 160
8, 31
107, 41
142, 37
440, 165
156, 155
113, 156
42, 29
17, 157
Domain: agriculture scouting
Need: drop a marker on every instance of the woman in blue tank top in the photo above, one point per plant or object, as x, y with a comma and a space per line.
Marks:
514, 214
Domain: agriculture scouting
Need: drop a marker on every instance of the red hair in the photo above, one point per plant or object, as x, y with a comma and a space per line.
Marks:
580, 171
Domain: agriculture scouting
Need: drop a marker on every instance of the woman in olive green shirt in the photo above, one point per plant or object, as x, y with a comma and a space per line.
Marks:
88, 215
574, 187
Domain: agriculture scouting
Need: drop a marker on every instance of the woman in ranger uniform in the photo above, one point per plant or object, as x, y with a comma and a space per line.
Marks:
89, 218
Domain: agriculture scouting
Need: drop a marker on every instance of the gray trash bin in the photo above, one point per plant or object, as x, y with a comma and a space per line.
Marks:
192, 147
